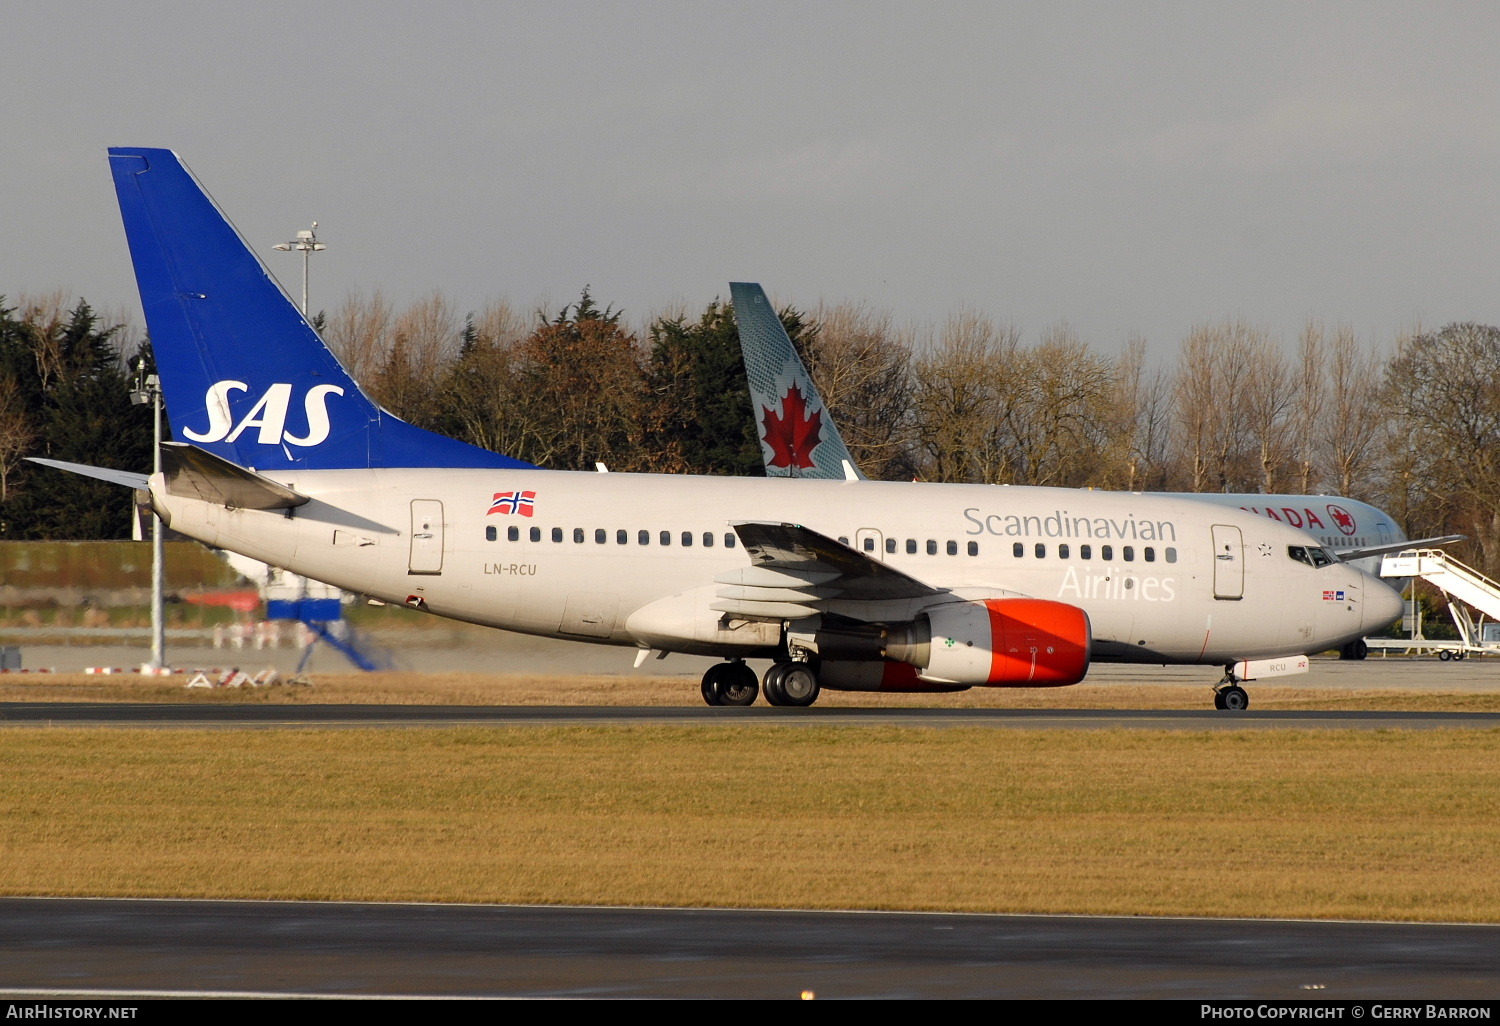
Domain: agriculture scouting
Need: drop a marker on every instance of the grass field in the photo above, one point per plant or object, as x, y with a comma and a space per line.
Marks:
1340, 824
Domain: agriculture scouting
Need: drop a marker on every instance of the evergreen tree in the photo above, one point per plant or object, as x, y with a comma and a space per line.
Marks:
698, 401
70, 379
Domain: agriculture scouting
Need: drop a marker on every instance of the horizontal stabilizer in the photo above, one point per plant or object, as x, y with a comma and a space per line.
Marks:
118, 477
194, 473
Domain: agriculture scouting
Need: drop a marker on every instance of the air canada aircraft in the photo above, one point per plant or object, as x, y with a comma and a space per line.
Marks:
798, 438
843, 584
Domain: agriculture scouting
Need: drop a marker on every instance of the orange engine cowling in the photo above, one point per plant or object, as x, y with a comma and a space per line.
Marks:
1004, 642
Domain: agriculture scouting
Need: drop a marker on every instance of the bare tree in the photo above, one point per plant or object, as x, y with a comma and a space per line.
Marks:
1059, 413
359, 333
1269, 397
1443, 387
863, 366
956, 404
1353, 413
1144, 419
15, 430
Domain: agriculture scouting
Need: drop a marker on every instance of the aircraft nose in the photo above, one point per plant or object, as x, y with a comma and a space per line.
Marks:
1383, 606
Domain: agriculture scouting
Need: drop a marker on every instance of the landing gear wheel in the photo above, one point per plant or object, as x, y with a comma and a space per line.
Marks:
1357, 649
1445, 655
730, 684
1233, 698
791, 683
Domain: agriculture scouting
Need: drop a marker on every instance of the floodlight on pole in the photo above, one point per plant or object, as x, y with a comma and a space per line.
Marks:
147, 390
307, 244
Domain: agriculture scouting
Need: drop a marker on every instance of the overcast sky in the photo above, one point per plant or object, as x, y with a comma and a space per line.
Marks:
1126, 167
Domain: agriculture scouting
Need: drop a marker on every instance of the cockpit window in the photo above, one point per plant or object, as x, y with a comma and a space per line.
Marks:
1312, 555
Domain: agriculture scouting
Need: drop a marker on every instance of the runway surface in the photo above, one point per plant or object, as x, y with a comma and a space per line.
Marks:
130, 714
51, 945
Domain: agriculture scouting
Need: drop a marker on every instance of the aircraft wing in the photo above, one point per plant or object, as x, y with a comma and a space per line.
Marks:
1348, 555
118, 477
796, 572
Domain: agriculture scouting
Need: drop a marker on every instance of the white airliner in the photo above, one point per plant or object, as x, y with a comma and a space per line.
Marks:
799, 438
845, 584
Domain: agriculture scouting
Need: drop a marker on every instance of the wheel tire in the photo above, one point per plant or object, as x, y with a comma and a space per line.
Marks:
1355, 650
770, 684
738, 686
729, 684
710, 686
1218, 699
799, 685
1445, 655
1235, 698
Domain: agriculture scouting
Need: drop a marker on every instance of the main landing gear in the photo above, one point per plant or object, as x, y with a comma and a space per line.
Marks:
1229, 695
786, 683
791, 683
731, 683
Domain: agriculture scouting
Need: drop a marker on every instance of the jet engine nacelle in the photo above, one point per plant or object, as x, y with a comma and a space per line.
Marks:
1007, 642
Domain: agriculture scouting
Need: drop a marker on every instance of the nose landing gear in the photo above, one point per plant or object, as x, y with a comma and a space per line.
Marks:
1228, 694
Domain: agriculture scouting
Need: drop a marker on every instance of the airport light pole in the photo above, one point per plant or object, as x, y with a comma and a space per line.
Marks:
307, 244
148, 390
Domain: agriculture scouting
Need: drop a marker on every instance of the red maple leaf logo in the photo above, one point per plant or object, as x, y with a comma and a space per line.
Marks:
1342, 518
794, 435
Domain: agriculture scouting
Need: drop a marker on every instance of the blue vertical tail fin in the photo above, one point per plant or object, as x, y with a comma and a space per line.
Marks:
797, 436
243, 373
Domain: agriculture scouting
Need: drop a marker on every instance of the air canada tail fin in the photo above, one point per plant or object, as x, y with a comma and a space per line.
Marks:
797, 436
243, 374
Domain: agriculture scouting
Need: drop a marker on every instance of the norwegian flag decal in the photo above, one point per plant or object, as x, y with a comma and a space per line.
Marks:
523, 503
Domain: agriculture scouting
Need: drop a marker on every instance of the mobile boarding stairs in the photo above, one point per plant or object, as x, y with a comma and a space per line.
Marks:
1471, 590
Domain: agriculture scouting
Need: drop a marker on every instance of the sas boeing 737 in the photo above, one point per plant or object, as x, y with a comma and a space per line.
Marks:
842, 584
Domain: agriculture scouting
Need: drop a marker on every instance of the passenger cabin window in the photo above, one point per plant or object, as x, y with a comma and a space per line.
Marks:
729, 539
536, 534
1129, 551
489, 533
557, 534
1085, 552
1106, 552
622, 537
890, 545
1018, 550
643, 538
952, 548
600, 536
666, 537
973, 548
513, 534
577, 536
708, 539
931, 547
1150, 554
1171, 554
1062, 551
869, 544
1041, 551
687, 539
911, 546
